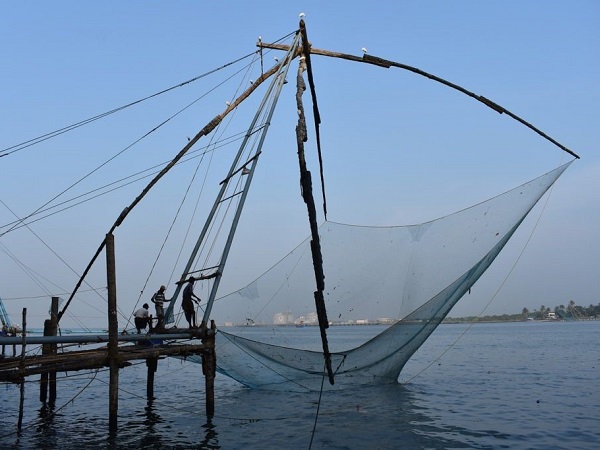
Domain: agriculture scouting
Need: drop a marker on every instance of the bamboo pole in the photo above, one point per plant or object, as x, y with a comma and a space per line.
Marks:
376, 61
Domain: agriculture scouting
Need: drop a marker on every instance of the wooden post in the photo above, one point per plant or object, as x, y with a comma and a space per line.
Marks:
53, 347
20, 421
113, 334
152, 364
50, 328
44, 376
209, 365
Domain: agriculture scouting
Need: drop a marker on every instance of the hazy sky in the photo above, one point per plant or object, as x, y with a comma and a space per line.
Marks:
398, 148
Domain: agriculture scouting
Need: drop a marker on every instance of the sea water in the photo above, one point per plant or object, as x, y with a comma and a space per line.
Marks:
531, 385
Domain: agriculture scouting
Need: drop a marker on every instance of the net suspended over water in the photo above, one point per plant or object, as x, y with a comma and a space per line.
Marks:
409, 276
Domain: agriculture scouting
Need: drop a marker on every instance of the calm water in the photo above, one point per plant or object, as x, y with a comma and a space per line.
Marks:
521, 385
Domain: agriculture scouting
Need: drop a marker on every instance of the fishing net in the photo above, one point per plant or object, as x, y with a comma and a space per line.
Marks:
406, 276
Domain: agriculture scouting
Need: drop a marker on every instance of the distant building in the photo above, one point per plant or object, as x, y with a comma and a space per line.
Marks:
385, 320
284, 318
309, 319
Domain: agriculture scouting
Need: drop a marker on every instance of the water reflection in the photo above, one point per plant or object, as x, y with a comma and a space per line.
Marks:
210, 440
46, 436
152, 437
389, 416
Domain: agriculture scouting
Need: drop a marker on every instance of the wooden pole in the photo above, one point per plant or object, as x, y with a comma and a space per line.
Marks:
209, 365
152, 364
113, 334
53, 348
22, 399
46, 350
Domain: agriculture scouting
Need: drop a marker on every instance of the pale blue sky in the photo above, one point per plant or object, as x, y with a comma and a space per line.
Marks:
420, 150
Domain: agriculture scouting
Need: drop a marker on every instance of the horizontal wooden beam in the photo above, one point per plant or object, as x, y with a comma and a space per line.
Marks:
15, 369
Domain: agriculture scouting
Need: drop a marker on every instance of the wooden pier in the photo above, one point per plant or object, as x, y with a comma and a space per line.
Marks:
105, 350
149, 347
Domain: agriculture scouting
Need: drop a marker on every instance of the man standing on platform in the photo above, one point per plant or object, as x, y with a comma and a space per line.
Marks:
187, 303
159, 299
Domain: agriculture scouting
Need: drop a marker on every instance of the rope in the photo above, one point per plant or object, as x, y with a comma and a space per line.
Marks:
226, 141
314, 430
164, 122
17, 147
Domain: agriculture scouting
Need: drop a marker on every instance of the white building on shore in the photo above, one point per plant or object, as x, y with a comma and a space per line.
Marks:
284, 318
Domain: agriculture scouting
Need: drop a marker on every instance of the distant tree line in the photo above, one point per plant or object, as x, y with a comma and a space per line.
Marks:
570, 312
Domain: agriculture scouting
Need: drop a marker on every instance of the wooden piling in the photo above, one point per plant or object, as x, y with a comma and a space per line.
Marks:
53, 347
113, 334
44, 376
22, 399
152, 364
209, 366
49, 378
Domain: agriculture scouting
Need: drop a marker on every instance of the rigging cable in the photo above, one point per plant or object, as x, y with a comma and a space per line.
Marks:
123, 151
181, 204
273, 90
207, 129
314, 430
48, 247
226, 141
17, 147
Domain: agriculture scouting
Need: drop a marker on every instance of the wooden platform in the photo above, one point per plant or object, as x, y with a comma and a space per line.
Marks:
13, 369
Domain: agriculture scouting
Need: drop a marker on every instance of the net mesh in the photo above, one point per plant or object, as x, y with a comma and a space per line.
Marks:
407, 276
